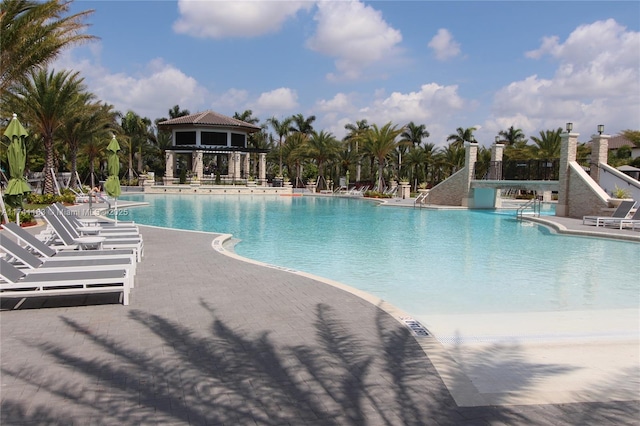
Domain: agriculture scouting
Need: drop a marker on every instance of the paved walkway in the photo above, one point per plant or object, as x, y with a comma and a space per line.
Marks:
209, 339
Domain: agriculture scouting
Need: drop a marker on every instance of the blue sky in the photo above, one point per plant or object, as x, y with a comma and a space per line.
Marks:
445, 64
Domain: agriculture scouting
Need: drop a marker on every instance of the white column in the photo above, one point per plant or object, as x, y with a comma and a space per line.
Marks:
262, 167
236, 166
599, 154
247, 171
170, 164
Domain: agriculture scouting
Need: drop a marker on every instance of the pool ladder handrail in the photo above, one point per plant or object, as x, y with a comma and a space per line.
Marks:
420, 199
530, 208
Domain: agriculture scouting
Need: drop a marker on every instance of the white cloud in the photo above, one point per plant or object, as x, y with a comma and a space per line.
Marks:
444, 46
224, 18
276, 101
433, 105
231, 100
597, 81
355, 34
150, 93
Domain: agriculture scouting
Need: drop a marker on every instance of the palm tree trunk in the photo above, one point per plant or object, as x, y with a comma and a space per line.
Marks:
48, 166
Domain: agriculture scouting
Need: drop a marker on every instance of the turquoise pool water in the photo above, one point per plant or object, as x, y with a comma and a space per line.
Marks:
423, 261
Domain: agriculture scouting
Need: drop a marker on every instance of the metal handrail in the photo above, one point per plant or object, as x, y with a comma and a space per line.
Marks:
420, 199
534, 204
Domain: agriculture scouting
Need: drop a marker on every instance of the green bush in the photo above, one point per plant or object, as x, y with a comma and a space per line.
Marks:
376, 194
25, 217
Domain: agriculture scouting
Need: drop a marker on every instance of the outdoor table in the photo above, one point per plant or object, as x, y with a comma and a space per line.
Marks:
89, 243
88, 230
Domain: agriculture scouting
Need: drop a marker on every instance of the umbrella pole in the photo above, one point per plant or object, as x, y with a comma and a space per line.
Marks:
115, 214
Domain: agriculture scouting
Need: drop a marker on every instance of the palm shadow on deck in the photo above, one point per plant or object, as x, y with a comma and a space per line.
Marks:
226, 375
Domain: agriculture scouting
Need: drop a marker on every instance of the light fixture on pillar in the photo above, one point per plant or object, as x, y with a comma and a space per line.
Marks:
569, 127
600, 129
497, 139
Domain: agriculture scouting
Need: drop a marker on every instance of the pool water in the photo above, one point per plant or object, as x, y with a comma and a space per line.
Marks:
425, 262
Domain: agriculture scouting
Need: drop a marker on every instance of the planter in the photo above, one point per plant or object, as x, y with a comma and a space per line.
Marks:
615, 202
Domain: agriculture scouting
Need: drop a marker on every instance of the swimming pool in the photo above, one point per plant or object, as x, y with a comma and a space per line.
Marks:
426, 262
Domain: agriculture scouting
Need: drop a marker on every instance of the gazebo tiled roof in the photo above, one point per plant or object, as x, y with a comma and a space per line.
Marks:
209, 119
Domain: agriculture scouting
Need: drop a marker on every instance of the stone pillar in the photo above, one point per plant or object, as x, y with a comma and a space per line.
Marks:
599, 154
231, 169
568, 148
198, 167
170, 166
236, 166
471, 156
247, 171
262, 168
497, 152
404, 190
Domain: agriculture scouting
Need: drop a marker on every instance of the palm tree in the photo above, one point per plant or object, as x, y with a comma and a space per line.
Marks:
547, 146
293, 152
416, 160
430, 152
301, 124
414, 133
512, 137
45, 99
379, 143
282, 129
88, 120
452, 157
33, 33
461, 136
136, 131
322, 147
354, 139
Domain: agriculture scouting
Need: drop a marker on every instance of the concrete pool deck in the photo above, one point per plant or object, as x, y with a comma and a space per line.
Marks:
209, 339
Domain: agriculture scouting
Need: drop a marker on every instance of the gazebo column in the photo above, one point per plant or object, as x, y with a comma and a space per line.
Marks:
170, 166
247, 171
236, 165
262, 168
231, 165
197, 164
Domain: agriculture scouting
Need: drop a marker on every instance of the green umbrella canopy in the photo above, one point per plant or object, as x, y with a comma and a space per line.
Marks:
17, 156
112, 185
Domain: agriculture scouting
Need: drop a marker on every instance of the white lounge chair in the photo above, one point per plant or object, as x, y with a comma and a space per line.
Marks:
70, 237
18, 283
71, 220
621, 212
34, 245
634, 221
22, 256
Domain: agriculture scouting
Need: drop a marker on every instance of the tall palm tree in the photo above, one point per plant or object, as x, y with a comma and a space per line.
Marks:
414, 133
322, 147
246, 116
452, 157
45, 99
461, 136
137, 132
379, 143
416, 161
293, 152
354, 138
87, 120
282, 129
301, 124
547, 146
430, 152
32, 33
512, 137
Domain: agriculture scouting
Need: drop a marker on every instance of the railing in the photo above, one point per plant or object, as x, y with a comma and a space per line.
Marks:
421, 199
518, 170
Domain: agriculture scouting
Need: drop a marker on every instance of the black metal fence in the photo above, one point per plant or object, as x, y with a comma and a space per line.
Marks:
518, 170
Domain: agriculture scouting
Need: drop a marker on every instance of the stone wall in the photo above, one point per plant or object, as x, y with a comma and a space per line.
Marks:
217, 190
587, 198
451, 191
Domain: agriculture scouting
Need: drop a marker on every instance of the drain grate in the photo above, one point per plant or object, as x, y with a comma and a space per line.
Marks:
413, 325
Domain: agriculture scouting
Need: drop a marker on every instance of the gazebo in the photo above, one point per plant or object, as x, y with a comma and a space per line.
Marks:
209, 144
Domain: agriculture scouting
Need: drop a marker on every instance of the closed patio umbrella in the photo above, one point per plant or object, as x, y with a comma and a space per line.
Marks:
112, 185
17, 156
